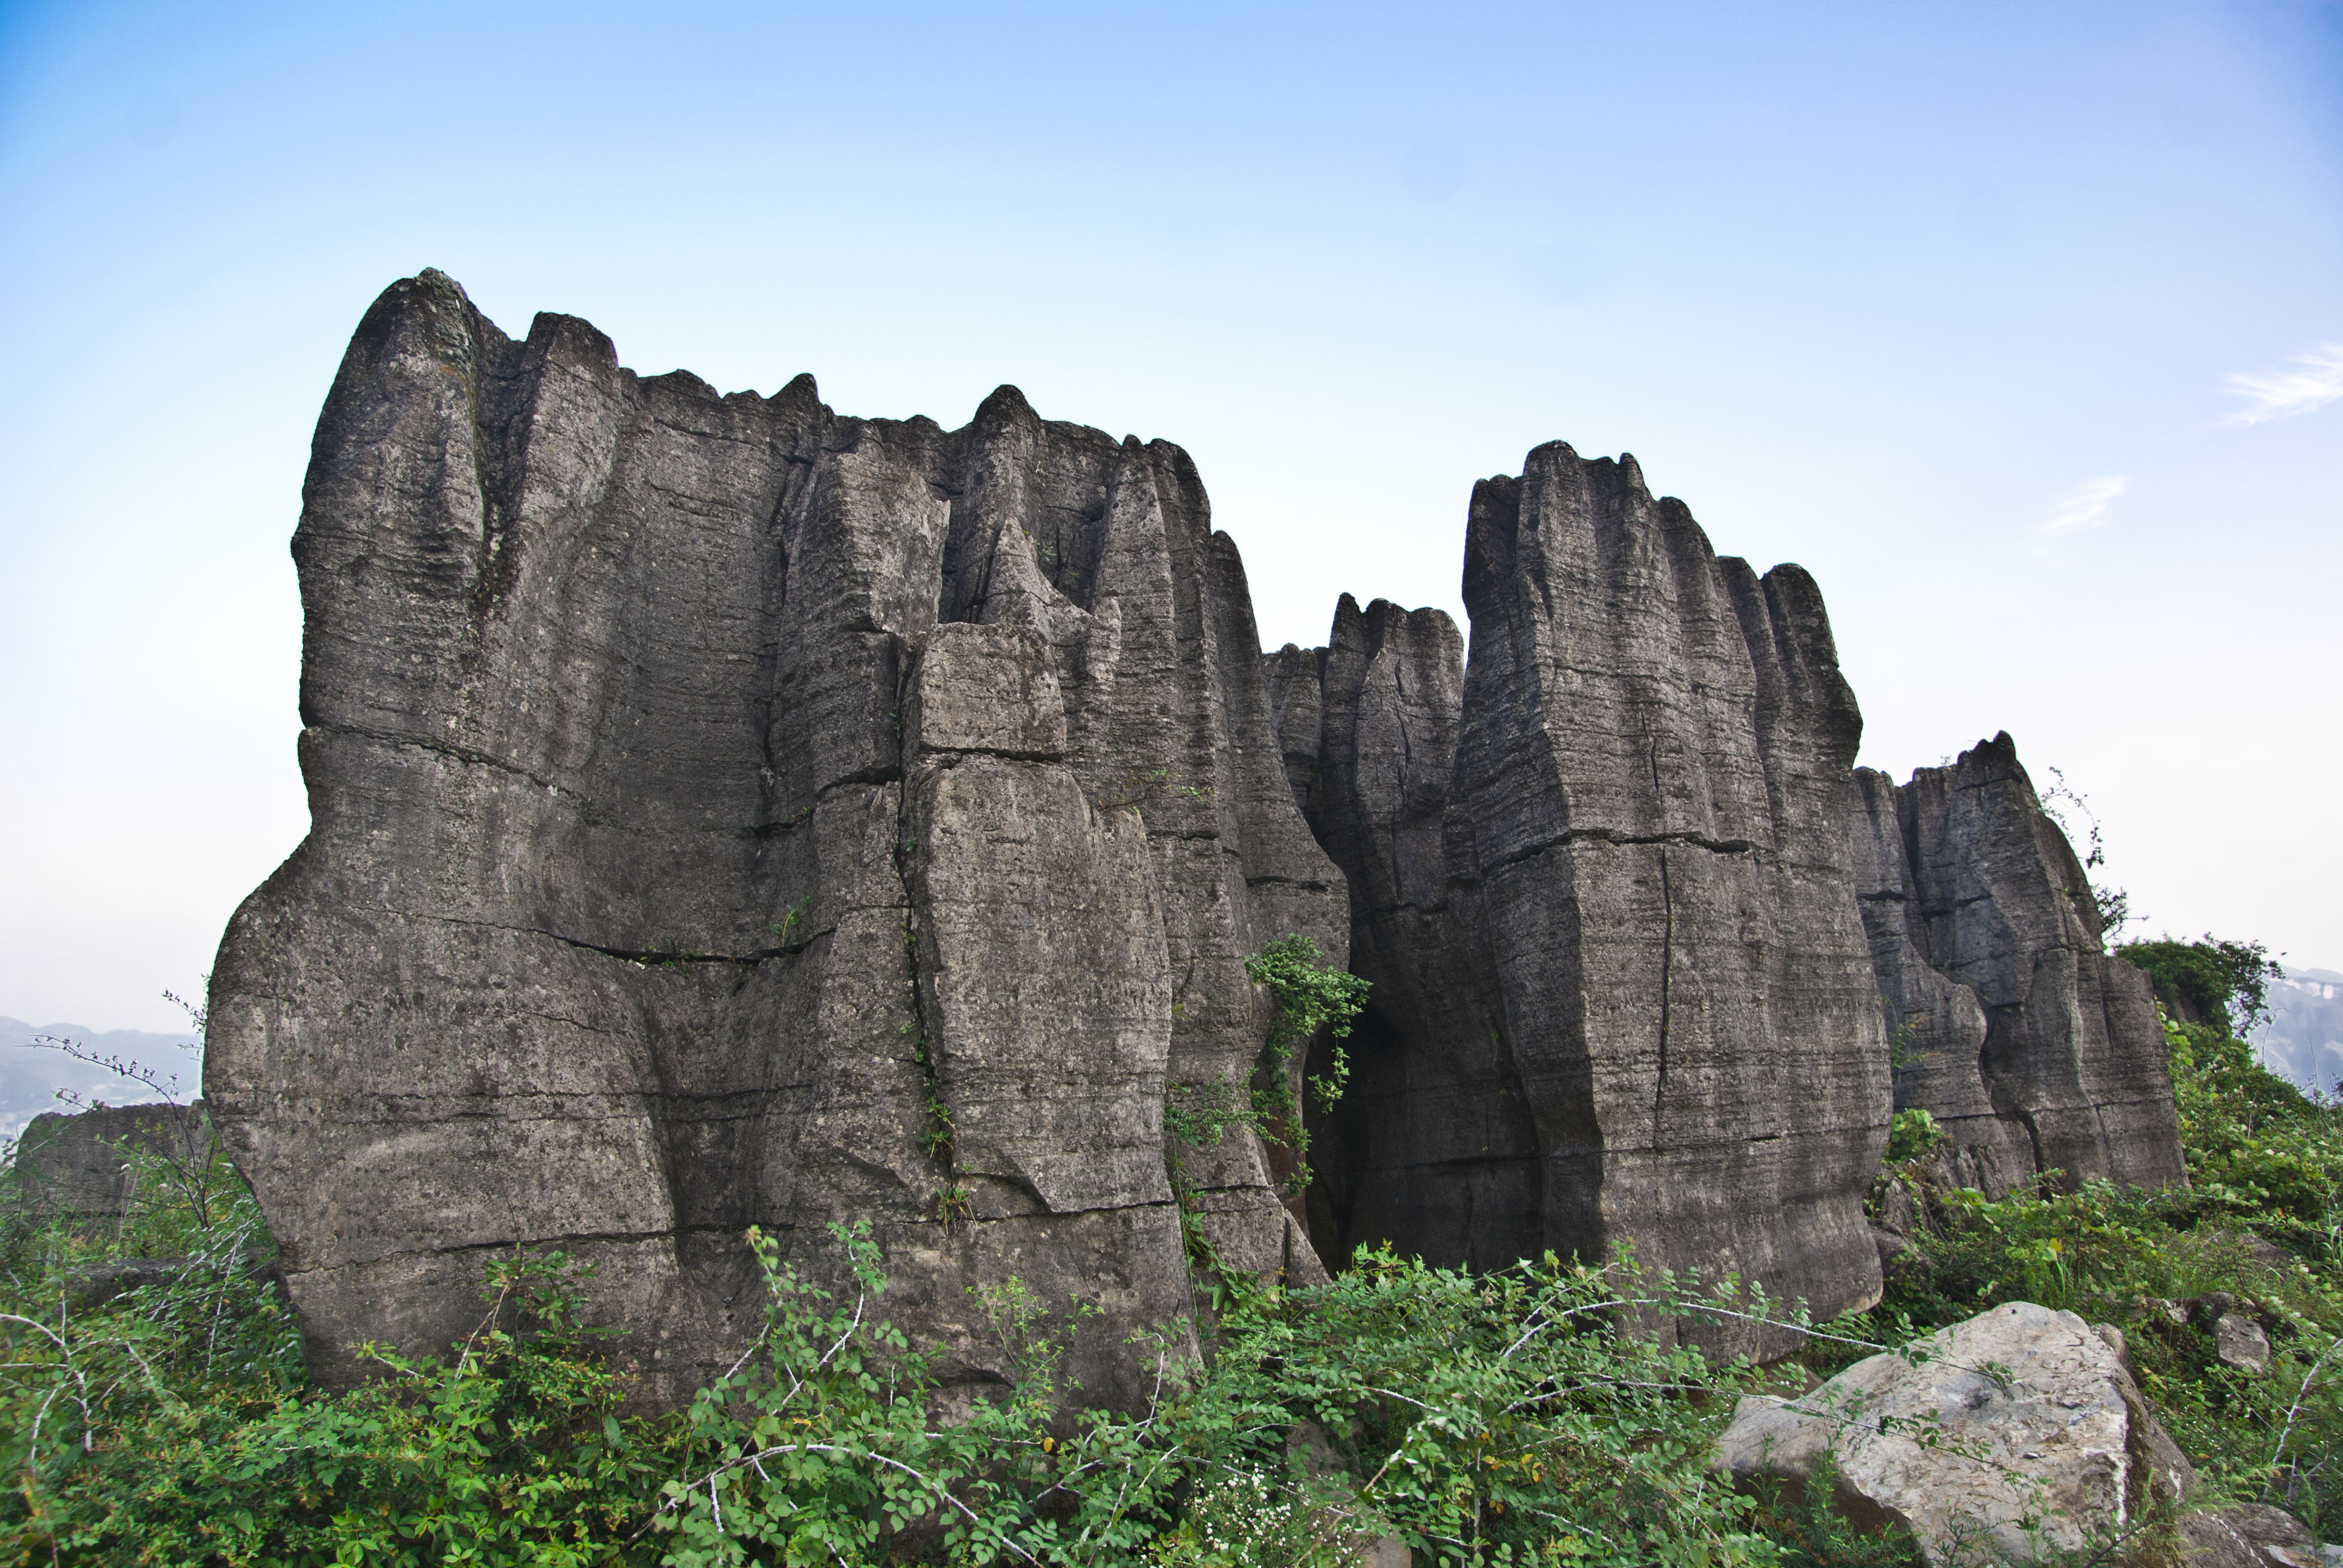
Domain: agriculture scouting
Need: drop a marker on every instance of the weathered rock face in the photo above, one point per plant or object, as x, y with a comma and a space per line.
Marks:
1600, 883
726, 812
2020, 1415
73, 1166
2035, 1049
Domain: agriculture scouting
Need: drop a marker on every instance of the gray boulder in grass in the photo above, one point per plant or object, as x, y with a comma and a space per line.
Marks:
2019, 1431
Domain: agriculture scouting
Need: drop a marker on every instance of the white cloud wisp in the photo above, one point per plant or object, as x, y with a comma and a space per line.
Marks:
2282, 393
2084, 506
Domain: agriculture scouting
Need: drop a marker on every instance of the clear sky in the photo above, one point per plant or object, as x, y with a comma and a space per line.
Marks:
2020, 326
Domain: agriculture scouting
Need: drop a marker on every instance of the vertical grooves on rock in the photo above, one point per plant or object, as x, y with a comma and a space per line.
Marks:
1667, 966
926, 1037
1626, 687
627, 661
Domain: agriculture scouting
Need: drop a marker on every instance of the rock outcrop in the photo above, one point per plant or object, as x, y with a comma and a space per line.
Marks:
727, 812
1599, 879
79, 1166
2018, 1429
2033, 1049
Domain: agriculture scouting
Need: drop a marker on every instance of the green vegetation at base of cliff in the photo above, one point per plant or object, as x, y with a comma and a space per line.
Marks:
1502, 1418
160, 1414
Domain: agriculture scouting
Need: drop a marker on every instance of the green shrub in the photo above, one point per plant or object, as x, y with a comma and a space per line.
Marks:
171, 1424
1519, 1417
2221, 983
1551, 1413
1912, 1135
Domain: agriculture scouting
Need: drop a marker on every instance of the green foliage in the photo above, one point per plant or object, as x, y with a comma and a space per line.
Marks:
1519, 1416
1816, 1535
1522, 1417
2222, 984
1912, 1135
1308, 995
2261, 1151
1531, 1415
170, 1425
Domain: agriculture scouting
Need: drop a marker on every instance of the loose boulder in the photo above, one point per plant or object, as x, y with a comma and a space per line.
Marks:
2017, 1430
2238, 1342
85, 1167
2252, 1535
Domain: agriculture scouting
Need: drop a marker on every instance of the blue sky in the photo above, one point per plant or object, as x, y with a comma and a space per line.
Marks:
2021, 327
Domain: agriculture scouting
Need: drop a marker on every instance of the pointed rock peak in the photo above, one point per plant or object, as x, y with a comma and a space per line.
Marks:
439, 282
1633, 471
1548, 455
1006, 406
434, 304
801, 393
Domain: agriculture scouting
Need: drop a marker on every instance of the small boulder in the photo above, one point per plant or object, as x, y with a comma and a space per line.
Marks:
2248, 1535
1891, 1207
2020, 1415
2239, 1341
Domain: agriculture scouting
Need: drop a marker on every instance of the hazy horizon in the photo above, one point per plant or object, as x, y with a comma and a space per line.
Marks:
2022, 329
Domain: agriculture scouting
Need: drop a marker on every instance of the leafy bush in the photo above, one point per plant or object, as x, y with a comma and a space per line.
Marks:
1912, 1135
1519, 1417
1308, 995
170, 1424
2220, 983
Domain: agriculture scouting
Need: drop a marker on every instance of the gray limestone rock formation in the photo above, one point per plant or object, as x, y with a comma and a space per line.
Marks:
2030, 1045
726, 812
1599, 881
80, 1166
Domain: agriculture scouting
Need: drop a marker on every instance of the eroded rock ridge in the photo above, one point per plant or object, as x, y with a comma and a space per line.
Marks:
729, 813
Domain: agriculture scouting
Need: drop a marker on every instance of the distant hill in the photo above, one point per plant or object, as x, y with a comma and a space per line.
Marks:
31, 1075
2304, 1037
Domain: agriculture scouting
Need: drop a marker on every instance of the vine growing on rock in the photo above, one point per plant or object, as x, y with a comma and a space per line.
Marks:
1308, 995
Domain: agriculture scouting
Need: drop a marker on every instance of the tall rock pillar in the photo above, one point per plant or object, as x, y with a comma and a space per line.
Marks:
1627, 996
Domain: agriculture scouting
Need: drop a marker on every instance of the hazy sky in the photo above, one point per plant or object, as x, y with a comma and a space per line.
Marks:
2021, 327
